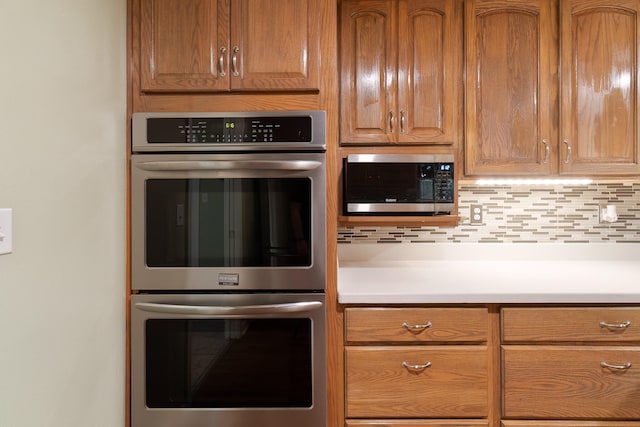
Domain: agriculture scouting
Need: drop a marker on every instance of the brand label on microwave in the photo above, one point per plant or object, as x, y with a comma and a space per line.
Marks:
228, 279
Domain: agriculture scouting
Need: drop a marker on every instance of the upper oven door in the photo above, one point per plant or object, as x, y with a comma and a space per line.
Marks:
228, 221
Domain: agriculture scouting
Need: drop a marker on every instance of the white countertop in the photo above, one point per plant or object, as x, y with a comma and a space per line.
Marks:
488, 273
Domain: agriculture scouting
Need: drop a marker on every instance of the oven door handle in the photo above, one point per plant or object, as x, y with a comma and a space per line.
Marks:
225, 165
294, 307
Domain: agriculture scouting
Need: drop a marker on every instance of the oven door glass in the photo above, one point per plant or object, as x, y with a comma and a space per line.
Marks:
228, 222
229, 363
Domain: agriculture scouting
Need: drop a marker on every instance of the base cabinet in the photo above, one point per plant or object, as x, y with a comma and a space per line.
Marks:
512, 365
416, 366
570, 363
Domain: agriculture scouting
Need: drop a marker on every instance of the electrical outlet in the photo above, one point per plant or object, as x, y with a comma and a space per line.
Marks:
476, 214
6, 244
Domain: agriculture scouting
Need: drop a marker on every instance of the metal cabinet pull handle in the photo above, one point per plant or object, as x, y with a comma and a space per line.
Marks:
391, 121
568, 158
416, 368
623, 325
221, 67
618, 367
401, 121
234, 61
546, 150
416, 328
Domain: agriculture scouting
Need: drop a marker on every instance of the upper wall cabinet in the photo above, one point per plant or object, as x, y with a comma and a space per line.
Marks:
600, 42
400, 71
223, 45
548, 95
511, 91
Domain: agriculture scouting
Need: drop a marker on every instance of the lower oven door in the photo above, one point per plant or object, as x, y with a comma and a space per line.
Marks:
233, 360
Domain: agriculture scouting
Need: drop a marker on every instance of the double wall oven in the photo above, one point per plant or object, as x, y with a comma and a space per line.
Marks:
228, 247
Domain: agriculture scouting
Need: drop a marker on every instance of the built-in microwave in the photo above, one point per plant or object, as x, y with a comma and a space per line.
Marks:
398, 184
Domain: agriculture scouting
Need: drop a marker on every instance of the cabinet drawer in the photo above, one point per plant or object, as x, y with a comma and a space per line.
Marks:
571, 324
570, 382
453, 385
416, 423
416, 324
554, 423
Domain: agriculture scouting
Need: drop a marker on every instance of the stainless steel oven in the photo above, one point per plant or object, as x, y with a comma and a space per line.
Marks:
233, 360
239, 206
228, 260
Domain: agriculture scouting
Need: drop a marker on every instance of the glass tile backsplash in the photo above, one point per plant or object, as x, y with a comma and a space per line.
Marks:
525, 214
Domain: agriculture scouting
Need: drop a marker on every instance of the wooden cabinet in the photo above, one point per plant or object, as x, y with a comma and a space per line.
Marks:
571, 363
400, 71
600, 102
415, 363
525, 118
229, 45
509, 366
511, 87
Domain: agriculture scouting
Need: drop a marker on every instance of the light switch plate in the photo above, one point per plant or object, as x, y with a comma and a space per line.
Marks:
6, 232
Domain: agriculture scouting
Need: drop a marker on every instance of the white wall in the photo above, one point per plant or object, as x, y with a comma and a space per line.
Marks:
62, 170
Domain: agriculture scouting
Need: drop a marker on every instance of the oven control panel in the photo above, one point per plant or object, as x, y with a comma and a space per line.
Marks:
228, 130
264, 130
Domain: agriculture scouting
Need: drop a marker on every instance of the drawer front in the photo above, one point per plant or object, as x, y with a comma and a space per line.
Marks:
416, 324
570, 382
571, 324
415, 423
454, 385
554, 423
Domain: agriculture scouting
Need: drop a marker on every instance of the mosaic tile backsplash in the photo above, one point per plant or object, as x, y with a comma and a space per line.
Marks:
526, 214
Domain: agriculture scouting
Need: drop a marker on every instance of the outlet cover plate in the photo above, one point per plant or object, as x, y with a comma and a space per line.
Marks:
476, 214
6, 232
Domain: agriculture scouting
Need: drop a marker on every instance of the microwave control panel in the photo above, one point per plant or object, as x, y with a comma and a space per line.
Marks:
443, 182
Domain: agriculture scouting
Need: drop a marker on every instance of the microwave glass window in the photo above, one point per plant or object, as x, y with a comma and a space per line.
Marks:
380, 182
229, 363
233, 222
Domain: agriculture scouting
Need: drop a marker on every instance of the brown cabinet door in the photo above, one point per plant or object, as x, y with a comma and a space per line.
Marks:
222, 45
183, 45
511, 89
275, 44
368, 37
558, 382
600, 41
429, 73
400, 71
416, 382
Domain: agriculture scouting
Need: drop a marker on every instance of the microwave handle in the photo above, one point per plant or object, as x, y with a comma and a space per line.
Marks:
217, 165
295, 307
